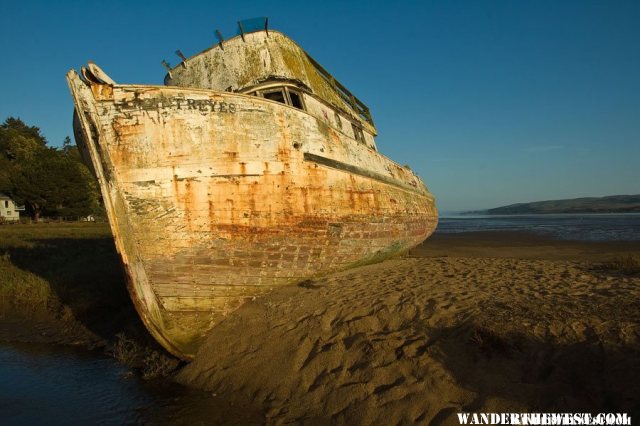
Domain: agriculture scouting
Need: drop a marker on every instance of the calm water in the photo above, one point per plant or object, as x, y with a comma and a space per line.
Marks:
592, 227
49, 385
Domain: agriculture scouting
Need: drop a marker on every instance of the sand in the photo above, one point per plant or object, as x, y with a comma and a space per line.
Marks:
517, 323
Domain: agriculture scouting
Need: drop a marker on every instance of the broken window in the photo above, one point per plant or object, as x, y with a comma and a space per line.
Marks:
357, 133
338, 120
296, 99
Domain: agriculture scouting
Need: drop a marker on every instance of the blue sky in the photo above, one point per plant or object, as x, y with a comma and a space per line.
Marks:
491, 103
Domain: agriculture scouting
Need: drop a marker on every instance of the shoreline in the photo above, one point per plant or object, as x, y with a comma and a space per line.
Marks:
522, 245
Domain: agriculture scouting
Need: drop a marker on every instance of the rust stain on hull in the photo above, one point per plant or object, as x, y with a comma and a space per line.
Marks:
215, 198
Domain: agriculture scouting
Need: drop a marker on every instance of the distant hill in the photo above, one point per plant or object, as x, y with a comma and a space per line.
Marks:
610, 204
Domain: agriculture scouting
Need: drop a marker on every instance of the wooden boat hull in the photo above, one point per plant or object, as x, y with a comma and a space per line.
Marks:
215, 198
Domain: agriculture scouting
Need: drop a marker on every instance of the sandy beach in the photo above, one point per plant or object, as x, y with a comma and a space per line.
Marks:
479, 322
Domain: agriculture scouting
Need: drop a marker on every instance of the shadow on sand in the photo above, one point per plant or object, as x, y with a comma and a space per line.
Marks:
86, 277
542, 375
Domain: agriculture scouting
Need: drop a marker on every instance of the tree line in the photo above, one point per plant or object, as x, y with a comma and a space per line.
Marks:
48, 181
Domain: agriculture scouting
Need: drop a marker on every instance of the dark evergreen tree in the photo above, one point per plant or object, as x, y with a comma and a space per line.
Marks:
46, 180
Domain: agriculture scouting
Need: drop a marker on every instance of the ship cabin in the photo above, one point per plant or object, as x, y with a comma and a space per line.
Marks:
265, 63
297, 96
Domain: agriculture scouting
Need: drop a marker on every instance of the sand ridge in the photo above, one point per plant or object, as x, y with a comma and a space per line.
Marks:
419, 339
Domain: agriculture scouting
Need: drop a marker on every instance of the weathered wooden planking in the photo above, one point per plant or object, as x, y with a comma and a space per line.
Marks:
215, 198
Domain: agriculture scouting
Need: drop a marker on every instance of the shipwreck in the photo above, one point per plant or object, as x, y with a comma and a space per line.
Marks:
252, 168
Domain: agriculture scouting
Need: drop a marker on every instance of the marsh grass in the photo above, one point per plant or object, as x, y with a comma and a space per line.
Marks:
623, 265
42, 266
70, 273
151, 363
157, 364
19, 288
126, 350
25, 235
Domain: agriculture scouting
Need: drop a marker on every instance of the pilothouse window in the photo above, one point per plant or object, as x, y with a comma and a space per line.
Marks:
284, 95
296, 100
275, 95
357, 133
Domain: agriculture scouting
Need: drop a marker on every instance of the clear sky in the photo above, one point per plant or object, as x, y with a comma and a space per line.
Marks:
490, 102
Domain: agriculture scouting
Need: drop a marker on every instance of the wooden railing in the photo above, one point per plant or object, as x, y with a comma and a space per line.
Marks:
342, 91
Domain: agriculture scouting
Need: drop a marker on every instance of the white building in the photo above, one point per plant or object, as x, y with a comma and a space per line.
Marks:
9, 210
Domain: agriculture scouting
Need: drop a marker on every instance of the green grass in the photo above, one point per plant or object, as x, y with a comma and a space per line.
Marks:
24, 235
